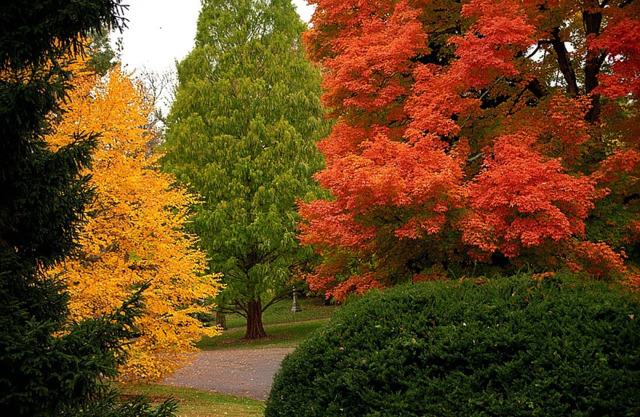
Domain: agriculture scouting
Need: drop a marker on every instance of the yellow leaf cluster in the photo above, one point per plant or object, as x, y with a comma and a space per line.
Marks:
134, 232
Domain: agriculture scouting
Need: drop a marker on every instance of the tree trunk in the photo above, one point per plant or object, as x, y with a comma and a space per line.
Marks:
221, 320
564, 64
593, 61
255, 330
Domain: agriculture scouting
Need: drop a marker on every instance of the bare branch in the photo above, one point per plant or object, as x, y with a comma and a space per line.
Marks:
476, 156
277, 298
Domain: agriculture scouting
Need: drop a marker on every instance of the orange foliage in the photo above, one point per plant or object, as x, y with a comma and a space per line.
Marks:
597, 259
622, 43
471, 132
134, 232
521, 200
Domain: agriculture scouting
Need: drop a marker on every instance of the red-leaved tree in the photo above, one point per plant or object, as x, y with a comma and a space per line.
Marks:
476, 135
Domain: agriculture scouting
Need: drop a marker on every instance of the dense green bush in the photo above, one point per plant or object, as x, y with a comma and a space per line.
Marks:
507, 347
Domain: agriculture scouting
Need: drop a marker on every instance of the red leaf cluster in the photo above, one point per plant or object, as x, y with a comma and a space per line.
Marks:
503, 132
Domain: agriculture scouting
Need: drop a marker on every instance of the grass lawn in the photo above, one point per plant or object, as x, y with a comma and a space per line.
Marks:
284, 328
197, 403
280, 336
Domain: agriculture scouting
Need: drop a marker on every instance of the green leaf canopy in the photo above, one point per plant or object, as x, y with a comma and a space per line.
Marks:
242, 133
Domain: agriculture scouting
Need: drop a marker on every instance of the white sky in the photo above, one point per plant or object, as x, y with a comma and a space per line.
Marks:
163, 31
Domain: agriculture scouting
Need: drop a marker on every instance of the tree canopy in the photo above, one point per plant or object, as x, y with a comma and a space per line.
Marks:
242, 134
135, 228
474, 136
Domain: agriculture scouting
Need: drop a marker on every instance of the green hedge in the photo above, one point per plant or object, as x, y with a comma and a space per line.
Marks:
508, 347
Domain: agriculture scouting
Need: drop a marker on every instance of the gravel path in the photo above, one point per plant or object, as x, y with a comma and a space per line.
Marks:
242, 372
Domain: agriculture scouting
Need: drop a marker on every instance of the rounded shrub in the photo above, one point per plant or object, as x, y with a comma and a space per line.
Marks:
506, 347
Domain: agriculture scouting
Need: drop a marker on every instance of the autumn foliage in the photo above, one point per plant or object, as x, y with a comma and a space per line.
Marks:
476, 135
134, 231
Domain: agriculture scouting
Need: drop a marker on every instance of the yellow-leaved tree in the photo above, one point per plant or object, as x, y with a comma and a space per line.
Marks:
134, 231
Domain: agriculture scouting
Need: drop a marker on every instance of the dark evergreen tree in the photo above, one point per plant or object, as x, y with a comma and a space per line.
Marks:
242, 133
49, 366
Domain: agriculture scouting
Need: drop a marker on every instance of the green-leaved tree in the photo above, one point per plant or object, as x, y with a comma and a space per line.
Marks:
242, 133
